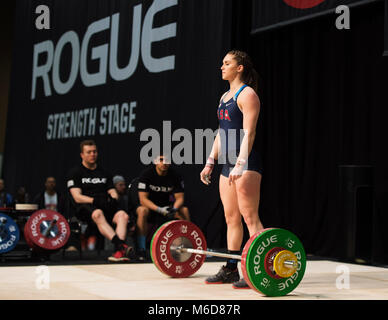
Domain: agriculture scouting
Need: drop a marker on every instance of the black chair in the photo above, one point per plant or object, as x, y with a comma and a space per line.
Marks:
76, 226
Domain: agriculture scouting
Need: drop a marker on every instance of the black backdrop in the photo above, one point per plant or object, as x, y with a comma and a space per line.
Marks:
323, 95
267, 14
187, 95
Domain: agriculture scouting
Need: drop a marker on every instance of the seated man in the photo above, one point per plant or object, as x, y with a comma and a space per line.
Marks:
95, 200
161, 197
50, 198
126, 205
22, 196
6, 199
121, 189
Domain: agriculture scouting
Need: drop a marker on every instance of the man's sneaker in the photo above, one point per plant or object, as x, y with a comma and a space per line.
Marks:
91, 243
225, 275
71, 249
241, 284
122, 255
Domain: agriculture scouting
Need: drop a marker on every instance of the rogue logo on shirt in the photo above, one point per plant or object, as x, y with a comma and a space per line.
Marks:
161, 189
93, 180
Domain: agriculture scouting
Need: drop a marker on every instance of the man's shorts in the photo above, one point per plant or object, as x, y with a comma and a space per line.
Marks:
84, 211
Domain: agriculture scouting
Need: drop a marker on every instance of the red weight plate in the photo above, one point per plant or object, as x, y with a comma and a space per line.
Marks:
38, 223
30, 243
244, 257
28, 240
303, 4
268, 262
152, 249
176, 232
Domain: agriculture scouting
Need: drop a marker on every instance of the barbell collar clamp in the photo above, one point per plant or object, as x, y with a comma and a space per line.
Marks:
51, 225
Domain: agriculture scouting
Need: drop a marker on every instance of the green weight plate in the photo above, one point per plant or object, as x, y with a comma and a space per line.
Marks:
253, 262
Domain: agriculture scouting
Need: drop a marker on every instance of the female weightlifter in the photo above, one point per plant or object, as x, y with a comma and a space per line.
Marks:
236, 148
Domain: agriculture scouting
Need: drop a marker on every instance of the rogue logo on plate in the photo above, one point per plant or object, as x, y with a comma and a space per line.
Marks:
303, 4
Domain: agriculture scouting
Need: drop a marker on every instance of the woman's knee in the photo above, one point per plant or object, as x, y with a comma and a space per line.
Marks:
233, 219
248, 204
251, 219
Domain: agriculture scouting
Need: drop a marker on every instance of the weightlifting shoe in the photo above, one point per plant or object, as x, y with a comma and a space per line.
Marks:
123, 254
225, 275
241, 284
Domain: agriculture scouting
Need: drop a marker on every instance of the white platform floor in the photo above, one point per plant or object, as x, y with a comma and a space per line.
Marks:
145, 282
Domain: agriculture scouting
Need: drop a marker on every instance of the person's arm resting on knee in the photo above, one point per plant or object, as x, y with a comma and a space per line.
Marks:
144, 201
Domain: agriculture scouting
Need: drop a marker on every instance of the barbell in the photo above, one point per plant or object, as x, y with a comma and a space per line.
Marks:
273, 260
46, 231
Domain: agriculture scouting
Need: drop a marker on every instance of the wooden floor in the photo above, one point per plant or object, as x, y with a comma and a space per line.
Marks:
144, 282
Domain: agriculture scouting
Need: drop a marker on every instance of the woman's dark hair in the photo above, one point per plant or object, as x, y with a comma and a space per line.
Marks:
249, 75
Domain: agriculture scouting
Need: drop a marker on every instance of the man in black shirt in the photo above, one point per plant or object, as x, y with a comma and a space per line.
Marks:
161, 197
50, 198
95, 199
6, 199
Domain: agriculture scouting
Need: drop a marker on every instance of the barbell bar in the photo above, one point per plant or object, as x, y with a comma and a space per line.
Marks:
273, 261
180, 249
